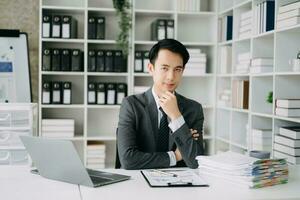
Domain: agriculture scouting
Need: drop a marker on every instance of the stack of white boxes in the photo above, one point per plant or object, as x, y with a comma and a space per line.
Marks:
96, 156
225, 59
288, 15
16, 119
262, 139
261, 65
58, 128
196, 64
243, 63
245, 29
224, 98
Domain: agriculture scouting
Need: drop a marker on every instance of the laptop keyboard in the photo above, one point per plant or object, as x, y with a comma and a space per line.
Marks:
97, 178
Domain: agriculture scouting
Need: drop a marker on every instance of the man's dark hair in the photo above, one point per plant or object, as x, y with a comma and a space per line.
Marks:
171, 45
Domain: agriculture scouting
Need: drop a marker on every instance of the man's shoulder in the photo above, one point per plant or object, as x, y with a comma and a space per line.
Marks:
136, 99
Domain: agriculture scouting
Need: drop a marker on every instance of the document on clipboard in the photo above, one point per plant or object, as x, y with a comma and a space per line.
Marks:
173, 178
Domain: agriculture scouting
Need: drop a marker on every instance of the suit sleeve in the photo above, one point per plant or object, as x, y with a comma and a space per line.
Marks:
130, 155
189, 147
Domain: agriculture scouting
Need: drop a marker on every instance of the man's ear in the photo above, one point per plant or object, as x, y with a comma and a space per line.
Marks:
150, 68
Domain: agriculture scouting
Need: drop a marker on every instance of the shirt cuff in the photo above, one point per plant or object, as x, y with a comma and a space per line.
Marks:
172, 158
176, 124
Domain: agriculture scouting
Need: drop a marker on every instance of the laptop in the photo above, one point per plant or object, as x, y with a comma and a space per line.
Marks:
58, 160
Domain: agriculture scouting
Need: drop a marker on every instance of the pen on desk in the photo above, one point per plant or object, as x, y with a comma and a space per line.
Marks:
164, 172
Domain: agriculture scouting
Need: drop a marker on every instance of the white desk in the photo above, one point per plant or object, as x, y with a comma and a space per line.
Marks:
16, 183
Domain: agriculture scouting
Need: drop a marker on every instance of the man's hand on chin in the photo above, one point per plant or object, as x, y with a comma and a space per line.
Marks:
168, 102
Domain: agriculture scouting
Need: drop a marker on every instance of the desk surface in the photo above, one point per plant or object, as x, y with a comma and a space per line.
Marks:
19, 183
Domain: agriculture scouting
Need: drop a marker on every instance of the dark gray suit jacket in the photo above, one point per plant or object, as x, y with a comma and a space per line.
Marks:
138, 133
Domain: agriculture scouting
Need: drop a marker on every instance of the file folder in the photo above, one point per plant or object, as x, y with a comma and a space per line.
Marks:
56, 92
109, 66
69, 27
67, 93
56, 60
110, 93
56, 26
91, 28
76, 60
91, 61
158, 29
170, 28
46, 93
100, 28
138, 61
146, 61
119, 62
65, 60
46, 27
121, 92
101, 93
46, 60
100, 61
91, 93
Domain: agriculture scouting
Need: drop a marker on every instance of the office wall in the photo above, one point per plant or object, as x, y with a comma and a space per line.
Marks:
24, 15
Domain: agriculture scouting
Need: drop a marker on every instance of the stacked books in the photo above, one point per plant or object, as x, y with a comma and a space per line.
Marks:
58, 128
288, 107
224, 98
245, 29
287, 144
225, 59
261, 139
243, 63
191, 5
240, 94
288, 15
264, 15
245, 170
95, 156
261, 65
196, 64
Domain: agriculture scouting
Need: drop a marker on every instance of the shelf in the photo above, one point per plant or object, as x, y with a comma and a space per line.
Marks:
224, 75
145, 42
14, 128
261, 74
63, 40
242, 39
102, 138
66, 8
229, 42
240, 110
112, 10
106, 74
242, 4
198, 43
62, 106
68, 73
262, 114
104, 106
295, 28
204, 14
287, 73
153, 12
226, 11
222, 139
266, 34
101, 41
297, 120
142, 75
240, 75
224, 108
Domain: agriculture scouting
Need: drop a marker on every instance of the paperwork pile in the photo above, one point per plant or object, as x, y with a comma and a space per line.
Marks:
245, 170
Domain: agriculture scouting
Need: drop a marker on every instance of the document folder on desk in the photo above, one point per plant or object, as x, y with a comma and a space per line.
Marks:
173, 178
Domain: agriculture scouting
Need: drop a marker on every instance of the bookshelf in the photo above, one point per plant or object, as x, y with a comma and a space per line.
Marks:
98, 123
233, 126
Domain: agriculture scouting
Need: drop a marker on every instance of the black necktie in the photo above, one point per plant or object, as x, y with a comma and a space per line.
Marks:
163, 133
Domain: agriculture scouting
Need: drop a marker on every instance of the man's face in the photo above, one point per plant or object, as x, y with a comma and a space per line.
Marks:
166, 72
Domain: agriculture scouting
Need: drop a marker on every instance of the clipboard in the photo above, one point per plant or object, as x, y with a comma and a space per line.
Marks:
173, 178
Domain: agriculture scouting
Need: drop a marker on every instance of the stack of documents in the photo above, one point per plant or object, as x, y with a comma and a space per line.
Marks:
96, 156
245, 170
58, 128
197, 63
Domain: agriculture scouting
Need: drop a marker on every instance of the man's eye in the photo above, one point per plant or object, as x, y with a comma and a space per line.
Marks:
178, 70
164, 68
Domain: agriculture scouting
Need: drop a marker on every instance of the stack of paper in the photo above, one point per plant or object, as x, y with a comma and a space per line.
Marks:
58, 128
262, 139
243, 63
96, 156
196, 64
245, 170
245, 29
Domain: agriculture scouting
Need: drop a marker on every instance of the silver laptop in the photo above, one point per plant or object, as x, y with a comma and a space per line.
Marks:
58, 160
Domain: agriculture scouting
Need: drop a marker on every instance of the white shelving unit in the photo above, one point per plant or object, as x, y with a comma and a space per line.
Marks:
231, 123
99, 122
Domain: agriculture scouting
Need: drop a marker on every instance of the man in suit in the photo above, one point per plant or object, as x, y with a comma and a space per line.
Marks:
161, 128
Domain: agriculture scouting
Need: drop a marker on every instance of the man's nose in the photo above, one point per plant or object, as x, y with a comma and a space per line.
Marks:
170, 75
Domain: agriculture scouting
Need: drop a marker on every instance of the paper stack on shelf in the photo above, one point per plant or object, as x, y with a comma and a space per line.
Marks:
288, 15
245, 170
225, 59
191, 5
243, 63
58, 128
240, 94
287, 144
261, 65
196, 64
224, 98
262, 139
245, 29
96, 156
288, 107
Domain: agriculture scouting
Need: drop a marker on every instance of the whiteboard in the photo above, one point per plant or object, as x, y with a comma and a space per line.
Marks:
15, 85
